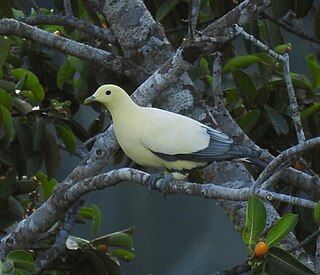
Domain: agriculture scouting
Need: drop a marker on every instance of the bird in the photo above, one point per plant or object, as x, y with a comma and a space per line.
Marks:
164, 140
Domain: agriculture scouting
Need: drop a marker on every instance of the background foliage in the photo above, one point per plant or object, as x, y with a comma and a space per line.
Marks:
42, 90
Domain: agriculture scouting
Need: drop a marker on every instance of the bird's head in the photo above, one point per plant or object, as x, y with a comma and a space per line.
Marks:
109, 95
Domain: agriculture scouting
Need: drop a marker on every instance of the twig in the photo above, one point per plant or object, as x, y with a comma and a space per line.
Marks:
35, 5
287, 77
240, 31
305, 241
272, 179
60, 242
290, 29
200, 37
283, 158
317, 256
217, 89
293, 101
194, 6
67, 8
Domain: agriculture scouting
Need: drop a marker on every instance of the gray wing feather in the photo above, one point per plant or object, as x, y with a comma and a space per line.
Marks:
221, 147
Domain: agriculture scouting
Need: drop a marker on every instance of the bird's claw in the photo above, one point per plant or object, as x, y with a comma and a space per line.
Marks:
159, 181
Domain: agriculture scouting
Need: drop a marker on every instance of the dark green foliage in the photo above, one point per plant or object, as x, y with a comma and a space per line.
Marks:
274, 260
41, 91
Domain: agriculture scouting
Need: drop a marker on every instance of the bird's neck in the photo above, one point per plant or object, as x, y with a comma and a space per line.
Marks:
124, 109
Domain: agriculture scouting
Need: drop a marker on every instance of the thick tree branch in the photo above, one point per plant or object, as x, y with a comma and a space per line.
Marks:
72, 22
166, 75
177, 65
66, 195
103, 58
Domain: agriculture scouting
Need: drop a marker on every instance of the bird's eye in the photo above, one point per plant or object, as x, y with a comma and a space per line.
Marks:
108, 92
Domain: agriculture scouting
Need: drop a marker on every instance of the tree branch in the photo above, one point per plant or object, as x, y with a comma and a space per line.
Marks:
290, 29
65, 195
72, 22
103, 58
284, 157
67, 8
287, 77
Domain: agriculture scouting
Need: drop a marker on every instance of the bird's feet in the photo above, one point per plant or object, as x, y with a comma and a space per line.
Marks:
159, 181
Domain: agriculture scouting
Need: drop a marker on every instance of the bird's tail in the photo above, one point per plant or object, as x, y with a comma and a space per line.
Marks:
252, 155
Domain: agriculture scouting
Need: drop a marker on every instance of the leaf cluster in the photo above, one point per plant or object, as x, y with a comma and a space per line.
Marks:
274, 260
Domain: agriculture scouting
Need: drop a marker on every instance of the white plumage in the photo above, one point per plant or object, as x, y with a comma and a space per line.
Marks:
156, 138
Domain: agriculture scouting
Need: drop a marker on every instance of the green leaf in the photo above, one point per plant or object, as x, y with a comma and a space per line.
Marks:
67, 136
48, 188
263, 93
246, 87
8, 86
65, 74
281, 229
7, 123
298, 81
20, 271
281, 263
93, 213
314, 68
278, 121
120, 238
203, 66
81, 66
249, 120
22, 80
77, 63
86, 212
123, 255
316, 213
6, 99
96, 219
31, 78
310, 110
4, 49
47, 185
165, 8
255, 221
30, 81
284, 48
240, 62
38, 92
22, 259
7, 268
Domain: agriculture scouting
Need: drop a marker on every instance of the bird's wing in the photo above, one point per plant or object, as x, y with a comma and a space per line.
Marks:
174, 137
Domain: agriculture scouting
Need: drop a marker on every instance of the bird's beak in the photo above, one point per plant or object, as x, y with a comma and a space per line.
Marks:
89, 99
